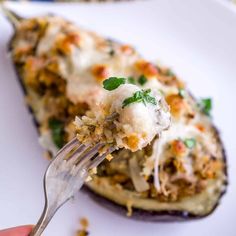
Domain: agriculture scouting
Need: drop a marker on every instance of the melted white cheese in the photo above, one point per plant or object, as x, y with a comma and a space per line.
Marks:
46, 43
177, 130
75, 67
137, 119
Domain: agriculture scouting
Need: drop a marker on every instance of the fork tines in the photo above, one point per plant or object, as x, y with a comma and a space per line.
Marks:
81, 155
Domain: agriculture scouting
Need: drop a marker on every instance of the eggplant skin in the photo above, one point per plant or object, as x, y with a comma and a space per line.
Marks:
139, 214
148, 216
25, 94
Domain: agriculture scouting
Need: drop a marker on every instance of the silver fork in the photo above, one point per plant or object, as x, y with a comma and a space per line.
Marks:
65, 176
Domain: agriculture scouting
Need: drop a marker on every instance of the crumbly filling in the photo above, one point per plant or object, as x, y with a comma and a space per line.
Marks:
63, 79
127, 117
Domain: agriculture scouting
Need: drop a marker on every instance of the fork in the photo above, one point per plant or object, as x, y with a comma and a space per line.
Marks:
65, 175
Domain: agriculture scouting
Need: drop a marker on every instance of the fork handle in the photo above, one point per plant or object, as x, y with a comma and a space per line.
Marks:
45, 218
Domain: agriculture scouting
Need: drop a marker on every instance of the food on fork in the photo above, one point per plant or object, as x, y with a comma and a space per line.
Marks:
62, 67
126, 117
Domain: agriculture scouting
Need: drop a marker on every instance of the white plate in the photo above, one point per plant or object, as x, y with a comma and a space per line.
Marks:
196, 38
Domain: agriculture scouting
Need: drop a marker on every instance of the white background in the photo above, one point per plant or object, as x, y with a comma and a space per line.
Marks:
197, 38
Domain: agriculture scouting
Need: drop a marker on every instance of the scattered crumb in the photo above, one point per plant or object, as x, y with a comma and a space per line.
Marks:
82, 233
84, 227
47, 155
84, 223
109, 157
89, 178
129, 208
93, 171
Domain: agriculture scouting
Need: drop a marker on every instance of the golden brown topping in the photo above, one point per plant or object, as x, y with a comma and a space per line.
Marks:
29, 33
167, 77
200, 127
120, 178
100, 72
32, 24
77, 109
171, 81
177, 105
53, 65
21, 52
31, 69
184, 171
127, 49
179, 165
178, 148
64, 44
133, 141
146, 68
109, 157
208, 167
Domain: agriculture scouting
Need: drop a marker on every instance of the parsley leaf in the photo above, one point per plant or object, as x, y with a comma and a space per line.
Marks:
190, 142
140, 96
57, 131
142, 80
205, 105
182, 92
169, 72
131, 80
113, 83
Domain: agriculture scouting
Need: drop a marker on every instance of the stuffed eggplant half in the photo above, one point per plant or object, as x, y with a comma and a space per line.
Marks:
178, 176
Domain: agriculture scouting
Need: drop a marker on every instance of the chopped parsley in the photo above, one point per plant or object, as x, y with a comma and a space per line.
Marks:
190, 143
113, 83
112, 52
169, 72
140, 96
57, 130
161, 92
205, 105
131, 80
142, 80
182, 92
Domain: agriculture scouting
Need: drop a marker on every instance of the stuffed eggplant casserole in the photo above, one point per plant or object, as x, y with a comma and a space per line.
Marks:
179, 176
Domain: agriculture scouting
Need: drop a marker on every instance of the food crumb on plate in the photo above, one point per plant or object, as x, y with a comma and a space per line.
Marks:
84, 224
129, 205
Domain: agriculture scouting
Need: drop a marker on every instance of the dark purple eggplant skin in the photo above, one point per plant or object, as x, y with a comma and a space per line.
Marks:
137, 214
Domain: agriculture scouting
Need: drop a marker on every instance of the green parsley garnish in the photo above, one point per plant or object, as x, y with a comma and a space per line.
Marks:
111, 52
161, 92
142, 80
140, 96
182, 92
131, 80
113, 83
57, 131
190, 142
205, 105
169, 72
